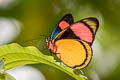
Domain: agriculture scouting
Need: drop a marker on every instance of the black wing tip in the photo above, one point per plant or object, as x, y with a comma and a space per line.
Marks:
68, 14
68, 17
94, 19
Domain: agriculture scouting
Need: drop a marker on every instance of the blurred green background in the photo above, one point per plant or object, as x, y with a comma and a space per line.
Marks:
22, 20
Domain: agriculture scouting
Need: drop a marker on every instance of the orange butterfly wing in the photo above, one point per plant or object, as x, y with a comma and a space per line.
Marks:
75, 54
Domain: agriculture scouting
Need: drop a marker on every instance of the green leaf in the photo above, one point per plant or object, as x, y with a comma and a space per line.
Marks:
6, 76
15, 55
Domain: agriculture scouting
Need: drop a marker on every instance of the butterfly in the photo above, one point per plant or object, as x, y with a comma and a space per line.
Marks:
71, 41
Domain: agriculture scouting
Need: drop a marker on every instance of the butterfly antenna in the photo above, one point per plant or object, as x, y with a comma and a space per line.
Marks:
43, 36
34, 39
30, 40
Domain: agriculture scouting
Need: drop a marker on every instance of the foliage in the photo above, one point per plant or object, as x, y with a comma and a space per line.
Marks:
15, 55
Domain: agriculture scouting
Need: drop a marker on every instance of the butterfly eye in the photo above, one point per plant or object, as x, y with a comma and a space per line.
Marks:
47, 39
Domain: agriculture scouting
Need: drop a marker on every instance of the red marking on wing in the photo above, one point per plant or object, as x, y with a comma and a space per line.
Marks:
63, 25
52, 47
82, 31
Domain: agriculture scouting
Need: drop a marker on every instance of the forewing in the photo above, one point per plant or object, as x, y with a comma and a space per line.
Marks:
84, 30
65, 21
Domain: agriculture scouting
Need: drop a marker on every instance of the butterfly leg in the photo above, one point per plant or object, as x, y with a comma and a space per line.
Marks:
55, 49
60, 58
51, 54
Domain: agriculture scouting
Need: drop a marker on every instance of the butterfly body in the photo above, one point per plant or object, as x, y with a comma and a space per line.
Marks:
71, 42
51, 46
